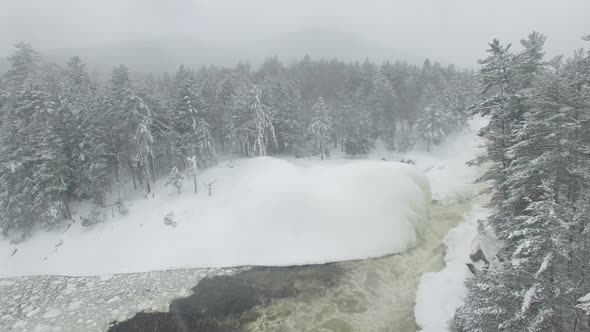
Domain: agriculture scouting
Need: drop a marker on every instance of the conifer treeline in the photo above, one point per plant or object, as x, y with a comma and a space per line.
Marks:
538, 152
65, 135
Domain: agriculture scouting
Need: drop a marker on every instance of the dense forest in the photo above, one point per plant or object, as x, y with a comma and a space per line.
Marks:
538, 160
65, 135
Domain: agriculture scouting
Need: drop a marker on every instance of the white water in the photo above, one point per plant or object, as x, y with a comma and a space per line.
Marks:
374, 294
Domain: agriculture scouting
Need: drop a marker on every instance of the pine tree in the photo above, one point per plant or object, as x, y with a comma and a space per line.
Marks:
24, 63
254, 130
204, 141
33, 167
436, 121
283, 98
175, 179
189, 121
540, 219
387, 103
320, 127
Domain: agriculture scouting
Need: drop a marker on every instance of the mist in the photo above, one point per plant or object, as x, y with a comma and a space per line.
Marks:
159, 35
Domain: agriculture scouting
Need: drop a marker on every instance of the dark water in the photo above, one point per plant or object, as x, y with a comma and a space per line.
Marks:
226, 303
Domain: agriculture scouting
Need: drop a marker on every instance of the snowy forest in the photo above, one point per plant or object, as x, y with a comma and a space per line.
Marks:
67, 135
538, 160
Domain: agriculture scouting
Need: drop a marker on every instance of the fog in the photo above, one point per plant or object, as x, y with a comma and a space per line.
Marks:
161, 34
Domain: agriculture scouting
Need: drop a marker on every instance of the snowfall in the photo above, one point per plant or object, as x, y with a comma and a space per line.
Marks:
275, 212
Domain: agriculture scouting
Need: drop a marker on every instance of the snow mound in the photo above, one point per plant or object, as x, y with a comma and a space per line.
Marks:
263, 211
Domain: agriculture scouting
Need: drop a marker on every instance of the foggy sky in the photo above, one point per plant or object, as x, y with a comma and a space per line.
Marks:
452, 31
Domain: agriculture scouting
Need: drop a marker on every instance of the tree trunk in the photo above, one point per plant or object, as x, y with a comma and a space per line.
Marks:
132, 174
66, 208
117, 177
147, 182
153, 170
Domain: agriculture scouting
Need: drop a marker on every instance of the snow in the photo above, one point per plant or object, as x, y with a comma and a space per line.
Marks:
451, 179
263, 211
440, 293
544, 264
585, 303
105, 277
528, 298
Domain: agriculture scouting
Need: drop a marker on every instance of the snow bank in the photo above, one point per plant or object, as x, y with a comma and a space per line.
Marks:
440, 293
264, 211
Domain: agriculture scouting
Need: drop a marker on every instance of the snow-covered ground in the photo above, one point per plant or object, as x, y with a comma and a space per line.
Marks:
263, 211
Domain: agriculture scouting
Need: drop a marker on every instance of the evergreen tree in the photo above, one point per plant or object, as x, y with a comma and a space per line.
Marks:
252, 120
540, 218
33, 167
24, 63
175, 179
320, 127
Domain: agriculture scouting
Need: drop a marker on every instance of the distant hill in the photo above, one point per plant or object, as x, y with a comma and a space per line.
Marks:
166, 55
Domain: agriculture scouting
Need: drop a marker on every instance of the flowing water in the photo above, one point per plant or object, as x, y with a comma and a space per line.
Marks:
371, 295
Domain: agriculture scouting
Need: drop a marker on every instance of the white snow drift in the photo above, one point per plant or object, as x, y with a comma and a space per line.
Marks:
264, 211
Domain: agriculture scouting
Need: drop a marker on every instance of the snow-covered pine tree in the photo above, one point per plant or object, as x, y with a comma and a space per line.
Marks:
189, 121
204, 141
387, 104
33, 168
120, 133
283, 97
227, 88
264, 128
541, 219
500, 76
24, 63
175, 179
143, 135
320, 127
359, 141
497, 74
254, 131
436, 122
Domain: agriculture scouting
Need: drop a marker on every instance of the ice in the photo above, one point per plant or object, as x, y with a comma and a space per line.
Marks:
113, 300
75, 305
6, 283
105, 277
51, 313
91, 308
33, 312
264, 211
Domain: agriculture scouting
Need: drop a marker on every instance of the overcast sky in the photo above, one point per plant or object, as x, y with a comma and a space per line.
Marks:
453, 31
